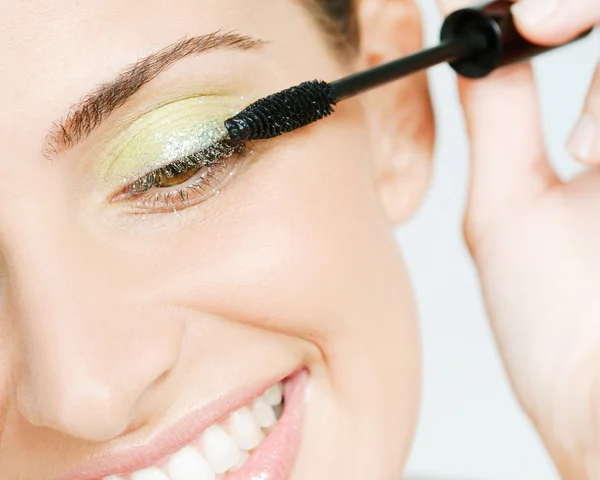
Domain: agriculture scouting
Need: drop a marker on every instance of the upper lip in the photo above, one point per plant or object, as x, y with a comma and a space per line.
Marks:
130, 458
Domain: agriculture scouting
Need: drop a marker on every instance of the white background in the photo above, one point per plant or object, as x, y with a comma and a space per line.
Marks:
471, 427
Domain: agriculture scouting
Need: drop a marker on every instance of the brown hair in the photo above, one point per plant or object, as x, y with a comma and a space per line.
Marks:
339, 21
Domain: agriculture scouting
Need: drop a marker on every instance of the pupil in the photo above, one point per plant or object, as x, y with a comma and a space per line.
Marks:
164, 181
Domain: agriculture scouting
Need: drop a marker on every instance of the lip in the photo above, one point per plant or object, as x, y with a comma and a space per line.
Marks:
168, 441
274, 459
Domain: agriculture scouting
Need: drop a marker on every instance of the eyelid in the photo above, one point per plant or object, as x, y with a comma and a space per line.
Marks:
221, 80
216, 155
158, 138
129, 120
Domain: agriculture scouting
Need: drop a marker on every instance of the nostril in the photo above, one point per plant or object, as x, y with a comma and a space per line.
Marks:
133, 427
136, 425
161, 378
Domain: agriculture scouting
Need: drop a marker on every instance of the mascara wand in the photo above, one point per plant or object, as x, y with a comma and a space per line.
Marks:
475, 41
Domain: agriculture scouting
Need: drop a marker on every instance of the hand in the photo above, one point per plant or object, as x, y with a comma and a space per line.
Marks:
536, 241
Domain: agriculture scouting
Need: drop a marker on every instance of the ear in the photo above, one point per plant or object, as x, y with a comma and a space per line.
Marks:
399, 115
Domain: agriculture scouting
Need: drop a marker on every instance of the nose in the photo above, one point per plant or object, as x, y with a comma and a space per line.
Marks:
90, 347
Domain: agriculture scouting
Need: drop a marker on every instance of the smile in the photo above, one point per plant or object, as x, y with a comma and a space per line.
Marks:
257, 439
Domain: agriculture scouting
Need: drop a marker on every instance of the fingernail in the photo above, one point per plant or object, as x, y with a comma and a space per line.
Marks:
534, 11
582, 142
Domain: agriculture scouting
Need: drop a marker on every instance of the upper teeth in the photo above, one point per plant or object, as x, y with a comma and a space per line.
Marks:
223, 447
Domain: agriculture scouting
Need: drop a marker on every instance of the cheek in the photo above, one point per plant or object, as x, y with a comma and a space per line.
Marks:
297, 245
287, 244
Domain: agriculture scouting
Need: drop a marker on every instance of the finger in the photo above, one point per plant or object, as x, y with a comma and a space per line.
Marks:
552, 22
449, 6
584, 141
509, 162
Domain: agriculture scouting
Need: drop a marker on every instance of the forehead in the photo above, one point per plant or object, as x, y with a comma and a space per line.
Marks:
67, 27
55, 51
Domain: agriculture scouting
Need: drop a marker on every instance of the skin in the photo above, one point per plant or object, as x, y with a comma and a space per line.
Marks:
533, 238
106, 328
110, 334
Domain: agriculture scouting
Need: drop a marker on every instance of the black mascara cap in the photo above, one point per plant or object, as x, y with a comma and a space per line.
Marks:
504, 44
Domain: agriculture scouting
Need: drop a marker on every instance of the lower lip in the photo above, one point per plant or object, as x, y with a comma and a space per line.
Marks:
275, 458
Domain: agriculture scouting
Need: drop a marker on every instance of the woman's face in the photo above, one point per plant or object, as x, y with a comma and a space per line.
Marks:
142, 303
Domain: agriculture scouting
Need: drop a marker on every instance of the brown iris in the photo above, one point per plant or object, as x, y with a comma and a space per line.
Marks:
164, 181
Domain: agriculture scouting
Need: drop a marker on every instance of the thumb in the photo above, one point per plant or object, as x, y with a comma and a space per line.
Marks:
508, 157
553, 22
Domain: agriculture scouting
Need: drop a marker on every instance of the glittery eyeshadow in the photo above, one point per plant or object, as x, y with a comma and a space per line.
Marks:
170, 133
189, 139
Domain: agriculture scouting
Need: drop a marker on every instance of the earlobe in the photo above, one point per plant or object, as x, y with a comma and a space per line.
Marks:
403, 183
399, 115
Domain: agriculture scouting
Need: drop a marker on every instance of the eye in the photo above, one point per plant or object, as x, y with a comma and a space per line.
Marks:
176, 156
164, 180
184, 182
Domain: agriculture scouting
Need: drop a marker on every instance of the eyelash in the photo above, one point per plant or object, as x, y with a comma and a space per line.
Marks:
210, 169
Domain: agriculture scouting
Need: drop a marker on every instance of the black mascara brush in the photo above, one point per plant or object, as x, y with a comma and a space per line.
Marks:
476, 41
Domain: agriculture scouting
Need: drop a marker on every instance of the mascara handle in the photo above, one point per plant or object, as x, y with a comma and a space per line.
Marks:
504, 45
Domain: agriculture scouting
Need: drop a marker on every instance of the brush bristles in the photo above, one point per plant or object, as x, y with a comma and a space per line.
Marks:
282, 112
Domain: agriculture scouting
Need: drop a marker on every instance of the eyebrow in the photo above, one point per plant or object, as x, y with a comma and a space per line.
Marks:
87, 115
